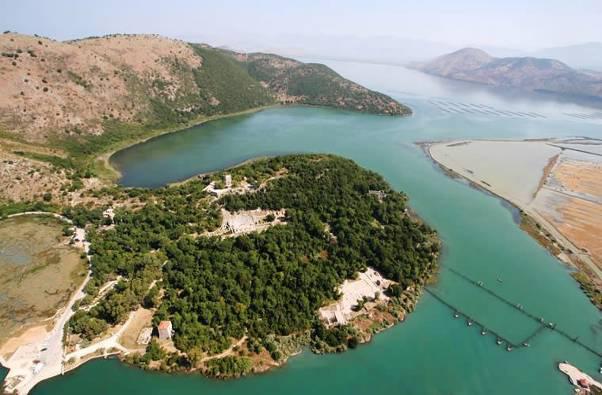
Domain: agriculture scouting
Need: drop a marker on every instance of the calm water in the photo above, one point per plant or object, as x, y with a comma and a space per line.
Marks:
431, 353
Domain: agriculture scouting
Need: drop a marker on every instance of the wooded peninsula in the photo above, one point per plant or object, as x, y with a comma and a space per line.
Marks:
259, 291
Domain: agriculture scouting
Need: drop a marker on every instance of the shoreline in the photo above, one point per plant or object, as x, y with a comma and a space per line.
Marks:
398, 309
407, 302
108, 175
208, 173
114, 173
530, 221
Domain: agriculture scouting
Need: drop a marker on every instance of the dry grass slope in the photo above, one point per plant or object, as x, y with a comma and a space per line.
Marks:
69, 88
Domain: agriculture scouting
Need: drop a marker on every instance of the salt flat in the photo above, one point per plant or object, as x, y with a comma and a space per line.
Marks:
512, 169
556, 182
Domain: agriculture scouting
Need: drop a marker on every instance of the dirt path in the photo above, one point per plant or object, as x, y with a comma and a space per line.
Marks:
105, 344
102, 292
227, 352
111, 342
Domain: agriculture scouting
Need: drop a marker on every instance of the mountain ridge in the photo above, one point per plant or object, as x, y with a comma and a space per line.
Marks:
527, 73
52, 90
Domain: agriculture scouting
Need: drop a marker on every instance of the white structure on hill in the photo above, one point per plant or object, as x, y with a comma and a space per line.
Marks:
165, 330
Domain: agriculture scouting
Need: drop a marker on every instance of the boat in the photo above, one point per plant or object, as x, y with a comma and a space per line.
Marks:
525, 344
483, 332
499, 280
509, 348
456, 315
498, 341
469, 323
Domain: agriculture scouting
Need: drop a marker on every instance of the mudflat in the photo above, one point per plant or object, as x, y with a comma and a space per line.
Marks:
39, 270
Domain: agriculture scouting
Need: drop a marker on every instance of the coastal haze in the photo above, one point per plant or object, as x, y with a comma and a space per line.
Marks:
527, 73
214, 190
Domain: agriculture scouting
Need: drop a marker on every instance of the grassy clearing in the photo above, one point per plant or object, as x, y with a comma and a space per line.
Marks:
57, 161
19, 207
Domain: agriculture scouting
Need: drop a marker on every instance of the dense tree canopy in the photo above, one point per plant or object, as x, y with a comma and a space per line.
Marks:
339, 220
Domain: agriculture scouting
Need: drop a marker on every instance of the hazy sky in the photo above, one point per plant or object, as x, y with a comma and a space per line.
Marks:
520, 24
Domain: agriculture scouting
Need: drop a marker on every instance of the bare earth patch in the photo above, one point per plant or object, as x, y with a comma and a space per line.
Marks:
26, 179
142, 319
30, 335
580, 177
369, 284
581, 221
572, 202
49, 86
242, 222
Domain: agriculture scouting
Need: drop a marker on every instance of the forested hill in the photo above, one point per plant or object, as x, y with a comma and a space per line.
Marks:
53, 91
315, 84
339, 220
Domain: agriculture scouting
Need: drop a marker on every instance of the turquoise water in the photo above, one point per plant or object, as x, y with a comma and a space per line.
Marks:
431, 353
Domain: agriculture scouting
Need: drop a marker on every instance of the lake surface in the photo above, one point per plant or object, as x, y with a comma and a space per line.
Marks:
431, 353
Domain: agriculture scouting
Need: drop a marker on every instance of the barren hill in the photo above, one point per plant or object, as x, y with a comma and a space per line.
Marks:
458, 62
52, 90
64, 104
65, 88
535, 74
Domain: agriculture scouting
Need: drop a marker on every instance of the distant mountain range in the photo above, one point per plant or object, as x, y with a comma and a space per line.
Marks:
528, 73
371, 49
587, 56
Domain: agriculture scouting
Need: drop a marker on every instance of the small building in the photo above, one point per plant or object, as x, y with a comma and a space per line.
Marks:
165, 330
228, 181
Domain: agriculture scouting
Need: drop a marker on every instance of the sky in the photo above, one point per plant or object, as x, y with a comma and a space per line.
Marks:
516, 24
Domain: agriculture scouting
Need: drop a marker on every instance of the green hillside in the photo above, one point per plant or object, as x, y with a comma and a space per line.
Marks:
317, 84
222, 78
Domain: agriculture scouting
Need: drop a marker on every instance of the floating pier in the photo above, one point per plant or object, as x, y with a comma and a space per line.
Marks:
468, 318
518, 307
